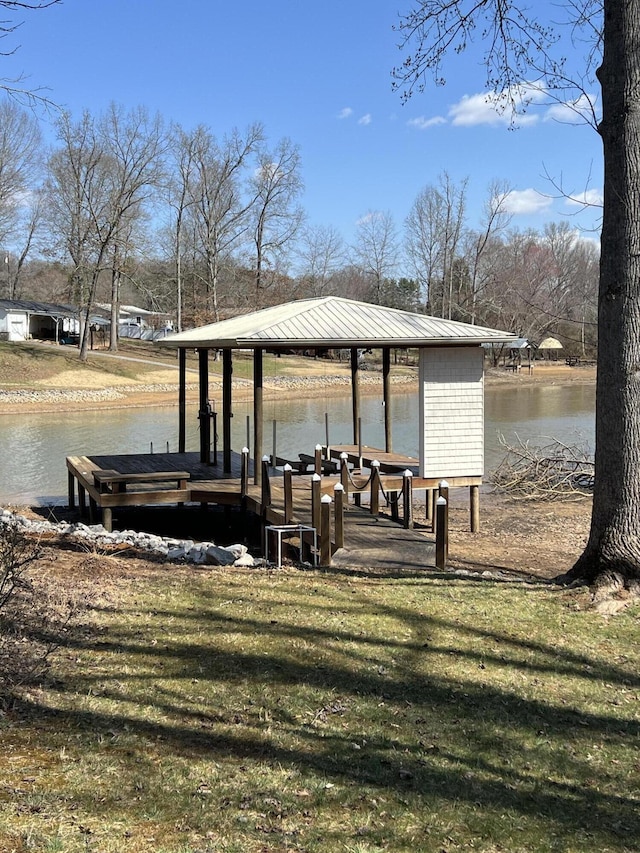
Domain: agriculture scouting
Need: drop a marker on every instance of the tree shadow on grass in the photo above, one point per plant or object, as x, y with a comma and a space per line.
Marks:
424, 731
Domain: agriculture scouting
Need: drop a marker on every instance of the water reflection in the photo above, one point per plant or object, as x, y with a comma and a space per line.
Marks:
33, 447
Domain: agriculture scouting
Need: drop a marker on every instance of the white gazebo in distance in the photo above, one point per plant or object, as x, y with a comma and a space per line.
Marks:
451, 437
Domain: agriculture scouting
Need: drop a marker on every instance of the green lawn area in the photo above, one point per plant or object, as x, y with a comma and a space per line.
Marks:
252, 711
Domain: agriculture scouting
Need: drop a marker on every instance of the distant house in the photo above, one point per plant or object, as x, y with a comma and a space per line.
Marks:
137, 322
24, 320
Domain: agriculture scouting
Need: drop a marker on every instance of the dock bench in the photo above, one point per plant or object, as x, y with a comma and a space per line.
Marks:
109, 488
110, 481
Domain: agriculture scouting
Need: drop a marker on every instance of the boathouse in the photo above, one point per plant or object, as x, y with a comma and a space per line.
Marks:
451, 428
450, 425
451, 371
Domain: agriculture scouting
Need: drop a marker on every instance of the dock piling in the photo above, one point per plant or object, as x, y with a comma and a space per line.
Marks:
338, 494
442, 533
325, 531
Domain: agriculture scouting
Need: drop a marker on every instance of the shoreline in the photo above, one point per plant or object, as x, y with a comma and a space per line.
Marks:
112, 395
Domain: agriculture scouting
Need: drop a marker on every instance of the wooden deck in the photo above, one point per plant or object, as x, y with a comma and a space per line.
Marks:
106, 482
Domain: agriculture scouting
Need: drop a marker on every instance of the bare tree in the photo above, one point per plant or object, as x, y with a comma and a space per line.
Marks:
15, 87
322, 253
275, 186
521, 47
423, 241
134, 143
20, 163
76, 198
178, 195
434, 229
100, 178
376, 249
219, 209
30, 221
494, 222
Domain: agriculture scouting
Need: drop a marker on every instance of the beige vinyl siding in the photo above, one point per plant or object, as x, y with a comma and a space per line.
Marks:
451, 412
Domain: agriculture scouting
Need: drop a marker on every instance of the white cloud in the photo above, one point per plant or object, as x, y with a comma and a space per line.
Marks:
573, 112
369, 216
586, 198
496, 108
422, 123
366, 119
526, 201
346, 112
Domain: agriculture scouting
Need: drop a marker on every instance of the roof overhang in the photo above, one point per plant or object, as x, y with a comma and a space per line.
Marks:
334, 323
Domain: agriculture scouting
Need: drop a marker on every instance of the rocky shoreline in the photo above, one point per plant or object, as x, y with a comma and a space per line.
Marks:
95, 535
122, 392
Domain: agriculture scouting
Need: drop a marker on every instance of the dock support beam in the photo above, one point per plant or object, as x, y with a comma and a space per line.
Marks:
474, 500
258, 390
227, 377
355, 396
386, 397
182, 400
203, 412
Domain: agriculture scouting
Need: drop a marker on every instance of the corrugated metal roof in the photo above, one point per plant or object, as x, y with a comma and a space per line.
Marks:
33, 307
333, 322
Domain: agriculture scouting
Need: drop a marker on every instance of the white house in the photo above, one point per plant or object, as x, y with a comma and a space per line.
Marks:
24, 319
135, 322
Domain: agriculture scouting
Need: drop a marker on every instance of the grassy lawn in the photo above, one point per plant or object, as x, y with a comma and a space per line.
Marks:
25, 365
307, 711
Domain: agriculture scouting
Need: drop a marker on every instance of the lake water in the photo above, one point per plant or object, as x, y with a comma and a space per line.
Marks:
33, 447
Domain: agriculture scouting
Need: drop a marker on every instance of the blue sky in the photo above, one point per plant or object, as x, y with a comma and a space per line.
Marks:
320, 74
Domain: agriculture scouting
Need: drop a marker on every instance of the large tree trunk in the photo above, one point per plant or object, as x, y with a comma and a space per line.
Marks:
613, 549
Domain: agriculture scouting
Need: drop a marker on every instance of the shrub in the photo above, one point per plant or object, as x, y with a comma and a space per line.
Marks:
33, 617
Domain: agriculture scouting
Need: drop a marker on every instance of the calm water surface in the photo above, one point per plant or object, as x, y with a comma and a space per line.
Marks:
33, 447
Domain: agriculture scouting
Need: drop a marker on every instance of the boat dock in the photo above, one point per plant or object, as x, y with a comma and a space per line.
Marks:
285, 496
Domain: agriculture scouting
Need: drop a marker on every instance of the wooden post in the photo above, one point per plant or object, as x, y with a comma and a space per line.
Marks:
325, 531
395, 510
442, 533
288, 493
107, 519
71, 490
315, 501
344, 474
407, 499
443, 492
386, 397
274, 455
182, 400
203, 410
317, 459
214, 423
338, 494
355, 394
266, 485
428, 509
82, 499
374, 503
474, 501
227, 378
244, 472
258, 393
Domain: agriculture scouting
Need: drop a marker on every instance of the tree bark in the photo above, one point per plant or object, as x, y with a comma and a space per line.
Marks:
613, 549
